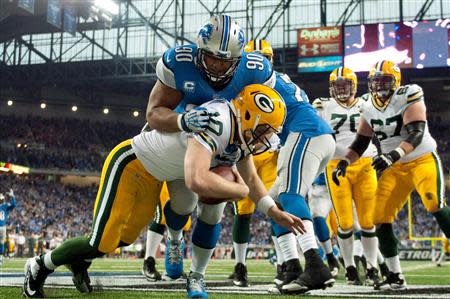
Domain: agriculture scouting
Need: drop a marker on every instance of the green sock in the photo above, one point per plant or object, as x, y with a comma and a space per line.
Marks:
443, 219
73, 250
241, 229
387, 240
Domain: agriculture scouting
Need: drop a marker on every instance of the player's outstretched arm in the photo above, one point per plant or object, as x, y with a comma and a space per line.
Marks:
204, 182
264, 203
161, 102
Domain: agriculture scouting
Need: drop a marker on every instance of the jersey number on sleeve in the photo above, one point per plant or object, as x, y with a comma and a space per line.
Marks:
183, 54
215, 126
254, 61
397, 119
342, 118
300, 95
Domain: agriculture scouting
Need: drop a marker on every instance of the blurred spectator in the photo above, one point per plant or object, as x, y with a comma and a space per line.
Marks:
20, 243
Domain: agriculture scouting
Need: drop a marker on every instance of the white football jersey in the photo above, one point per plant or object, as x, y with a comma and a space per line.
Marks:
387, 121
162, 154
344, 121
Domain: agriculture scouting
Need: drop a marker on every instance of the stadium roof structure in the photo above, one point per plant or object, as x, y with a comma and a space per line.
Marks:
114, 44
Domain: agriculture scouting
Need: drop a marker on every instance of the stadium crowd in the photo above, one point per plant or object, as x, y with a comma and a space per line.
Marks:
82, 145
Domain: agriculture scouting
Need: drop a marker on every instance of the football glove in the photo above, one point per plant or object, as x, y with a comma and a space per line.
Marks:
231, 155
195, 120
340, 170
384, 161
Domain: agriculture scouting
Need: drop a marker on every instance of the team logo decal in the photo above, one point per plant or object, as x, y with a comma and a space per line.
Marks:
205, 33
241, 39
263, 103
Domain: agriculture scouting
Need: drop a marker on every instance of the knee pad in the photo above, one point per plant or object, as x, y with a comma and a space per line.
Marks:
174, 220
206, 235
210, 214
295, 204
321, 229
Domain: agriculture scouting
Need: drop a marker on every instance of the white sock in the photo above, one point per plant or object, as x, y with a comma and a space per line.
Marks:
174, 234
393, 264
288, 246
380, 257
280, 257
200, 259
327, 246
240, 252
48, 261
358, 248
346, 246
307, 240
153, 241
370, 247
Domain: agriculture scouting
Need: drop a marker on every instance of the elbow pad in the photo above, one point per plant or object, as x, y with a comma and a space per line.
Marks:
415, 131
360, 144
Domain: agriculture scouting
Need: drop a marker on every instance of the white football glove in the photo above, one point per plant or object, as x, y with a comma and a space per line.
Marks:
195, 120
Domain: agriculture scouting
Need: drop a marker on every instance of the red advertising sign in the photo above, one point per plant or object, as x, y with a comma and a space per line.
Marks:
322, 41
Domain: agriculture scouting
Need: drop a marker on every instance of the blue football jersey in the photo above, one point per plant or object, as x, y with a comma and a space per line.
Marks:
177, 69
301, 116
320, 180
5, 209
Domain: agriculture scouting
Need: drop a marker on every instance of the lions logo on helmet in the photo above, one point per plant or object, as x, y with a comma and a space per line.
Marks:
384, 79
205, 33
260, 112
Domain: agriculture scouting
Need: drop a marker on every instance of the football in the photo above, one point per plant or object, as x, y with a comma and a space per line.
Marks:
226, 173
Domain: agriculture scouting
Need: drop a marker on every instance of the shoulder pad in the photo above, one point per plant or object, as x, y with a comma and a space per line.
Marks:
414, 93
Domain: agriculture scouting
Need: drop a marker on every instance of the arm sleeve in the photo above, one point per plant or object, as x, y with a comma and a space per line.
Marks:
164, 69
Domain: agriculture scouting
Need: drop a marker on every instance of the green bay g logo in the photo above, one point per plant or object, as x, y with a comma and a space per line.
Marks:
263, 102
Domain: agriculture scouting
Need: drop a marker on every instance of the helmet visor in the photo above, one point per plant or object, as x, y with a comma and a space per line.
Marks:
341, 89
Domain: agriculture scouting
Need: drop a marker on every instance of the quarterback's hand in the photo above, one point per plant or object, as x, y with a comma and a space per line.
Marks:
231, 155
383, 161
195, 120
340, 170
285, 219
11, 193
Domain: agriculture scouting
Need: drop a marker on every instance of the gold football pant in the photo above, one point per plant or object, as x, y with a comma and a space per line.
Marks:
126, 200
266, 166
358, 185
397, 182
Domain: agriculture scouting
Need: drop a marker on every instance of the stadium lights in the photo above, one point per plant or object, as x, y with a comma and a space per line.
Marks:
10, 103
136, 113
109, 6
43, 105
74, 108
105, 111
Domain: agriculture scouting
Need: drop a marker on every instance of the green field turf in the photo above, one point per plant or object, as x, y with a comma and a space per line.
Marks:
417, 273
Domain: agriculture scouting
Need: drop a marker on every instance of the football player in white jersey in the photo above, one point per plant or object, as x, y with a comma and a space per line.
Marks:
397, 115
341, 111
135, 170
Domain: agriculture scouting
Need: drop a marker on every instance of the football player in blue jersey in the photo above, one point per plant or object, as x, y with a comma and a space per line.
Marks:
189, 75
307, 146
5, 209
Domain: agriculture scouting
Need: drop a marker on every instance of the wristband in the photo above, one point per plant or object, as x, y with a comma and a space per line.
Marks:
400, 151
179, 122
265, 203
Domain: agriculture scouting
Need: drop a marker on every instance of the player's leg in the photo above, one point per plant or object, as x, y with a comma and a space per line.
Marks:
364, 199
320, 205
2, 242
177, 212
429, 182
281, 265
241, 236
204, 239
341, 197
155, 234
394, 187
117, 191
302, 160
